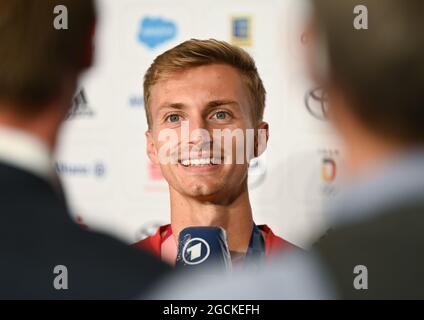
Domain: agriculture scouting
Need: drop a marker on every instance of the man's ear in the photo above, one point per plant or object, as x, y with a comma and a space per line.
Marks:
150, 148
261, 138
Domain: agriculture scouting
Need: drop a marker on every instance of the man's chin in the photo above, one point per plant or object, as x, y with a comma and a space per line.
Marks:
201, 192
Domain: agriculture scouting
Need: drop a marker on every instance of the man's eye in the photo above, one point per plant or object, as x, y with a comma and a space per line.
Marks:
173, 118
221, 115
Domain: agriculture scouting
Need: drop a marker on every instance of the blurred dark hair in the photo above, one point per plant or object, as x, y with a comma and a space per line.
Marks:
34, 56
381, 69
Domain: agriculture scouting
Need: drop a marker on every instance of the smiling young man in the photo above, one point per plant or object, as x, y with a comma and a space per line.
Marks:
193, 93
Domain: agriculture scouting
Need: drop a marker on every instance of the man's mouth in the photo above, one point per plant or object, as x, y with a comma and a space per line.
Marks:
200, 162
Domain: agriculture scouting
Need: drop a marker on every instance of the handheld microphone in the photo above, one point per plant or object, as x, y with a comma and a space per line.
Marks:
200, 246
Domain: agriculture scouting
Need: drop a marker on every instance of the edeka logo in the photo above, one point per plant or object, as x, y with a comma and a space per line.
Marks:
241, 31
97, 169
156, 31
80, 107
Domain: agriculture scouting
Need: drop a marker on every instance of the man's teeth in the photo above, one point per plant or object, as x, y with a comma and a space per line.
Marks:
200, 162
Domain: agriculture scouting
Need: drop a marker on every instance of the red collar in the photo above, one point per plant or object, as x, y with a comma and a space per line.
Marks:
153, 244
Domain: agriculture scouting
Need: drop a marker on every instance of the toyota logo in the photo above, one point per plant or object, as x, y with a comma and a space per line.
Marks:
316, 103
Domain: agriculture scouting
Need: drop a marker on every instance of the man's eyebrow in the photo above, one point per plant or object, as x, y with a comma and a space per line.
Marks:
209, 105
168, 105
217, 103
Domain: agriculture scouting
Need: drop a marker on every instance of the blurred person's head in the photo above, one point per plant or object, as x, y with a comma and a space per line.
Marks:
39, 64
208, 85
374, 78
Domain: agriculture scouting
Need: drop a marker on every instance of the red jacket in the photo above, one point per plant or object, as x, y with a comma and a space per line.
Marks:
152, 244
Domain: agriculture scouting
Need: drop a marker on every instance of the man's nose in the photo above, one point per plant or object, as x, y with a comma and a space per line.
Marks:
199, 131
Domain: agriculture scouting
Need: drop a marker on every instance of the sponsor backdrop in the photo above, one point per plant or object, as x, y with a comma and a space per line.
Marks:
110, 183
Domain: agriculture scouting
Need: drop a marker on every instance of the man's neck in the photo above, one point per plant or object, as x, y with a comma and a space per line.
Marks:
366, 154
235, 218
25, 151
43, 127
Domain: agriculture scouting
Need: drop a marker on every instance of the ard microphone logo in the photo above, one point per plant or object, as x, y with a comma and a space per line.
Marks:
196, 251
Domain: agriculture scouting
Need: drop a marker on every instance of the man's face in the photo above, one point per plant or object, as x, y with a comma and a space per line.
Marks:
182, 105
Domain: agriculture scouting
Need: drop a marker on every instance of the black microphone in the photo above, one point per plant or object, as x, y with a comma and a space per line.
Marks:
200, 246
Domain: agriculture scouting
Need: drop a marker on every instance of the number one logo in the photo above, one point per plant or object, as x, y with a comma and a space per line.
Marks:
195, 254
195, 251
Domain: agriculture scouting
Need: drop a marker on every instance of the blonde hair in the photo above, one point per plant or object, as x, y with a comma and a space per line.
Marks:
195, 53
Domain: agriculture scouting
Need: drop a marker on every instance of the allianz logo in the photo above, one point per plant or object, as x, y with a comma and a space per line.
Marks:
97, 169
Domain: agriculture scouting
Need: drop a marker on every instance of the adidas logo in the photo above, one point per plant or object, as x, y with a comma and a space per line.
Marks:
80, 107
